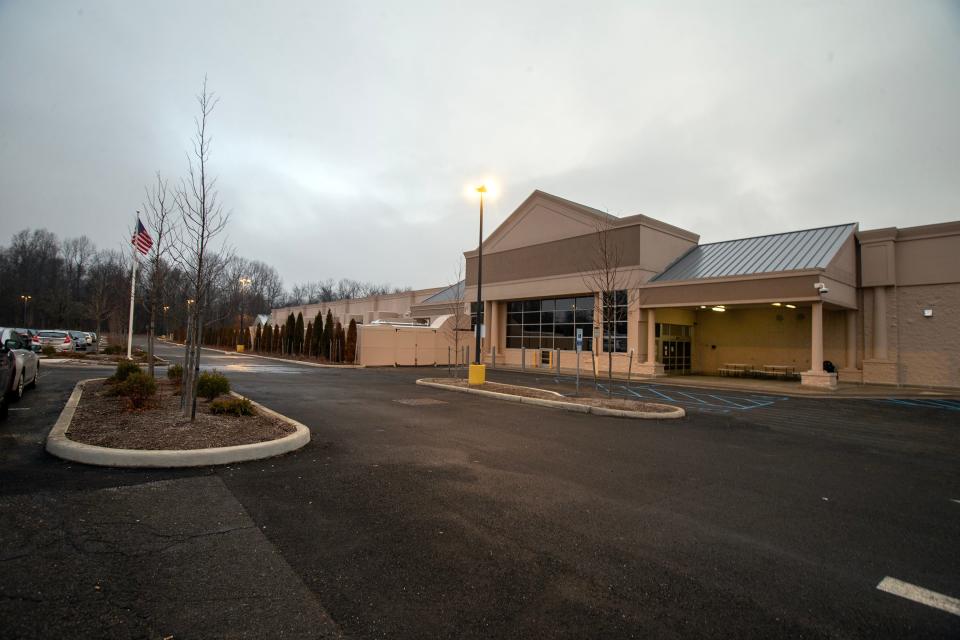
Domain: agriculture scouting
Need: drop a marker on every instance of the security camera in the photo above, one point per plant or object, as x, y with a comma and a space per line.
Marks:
822, 288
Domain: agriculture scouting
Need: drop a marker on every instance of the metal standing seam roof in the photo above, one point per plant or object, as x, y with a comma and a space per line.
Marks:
451, 293
791, 251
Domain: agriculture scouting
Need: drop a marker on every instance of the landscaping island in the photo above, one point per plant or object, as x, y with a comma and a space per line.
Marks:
132, 420
105, 420
542, 397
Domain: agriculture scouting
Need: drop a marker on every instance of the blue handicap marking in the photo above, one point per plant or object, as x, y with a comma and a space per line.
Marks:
928, 403
703, 401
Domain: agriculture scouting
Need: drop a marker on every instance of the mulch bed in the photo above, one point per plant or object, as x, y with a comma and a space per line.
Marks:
529, 392
107, 421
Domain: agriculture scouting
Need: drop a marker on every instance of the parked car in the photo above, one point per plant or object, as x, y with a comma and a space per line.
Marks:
27, 362
8, 371
32, 336
79, 340
89, 338
59, 340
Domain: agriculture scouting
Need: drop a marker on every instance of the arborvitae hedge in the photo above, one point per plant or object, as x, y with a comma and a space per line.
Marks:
341, 341
289, 333
257, 337
298, 335
317, 335
351, 352
308, 340
327, 335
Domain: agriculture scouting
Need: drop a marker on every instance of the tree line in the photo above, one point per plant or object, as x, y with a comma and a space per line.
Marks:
72, 284
321, 339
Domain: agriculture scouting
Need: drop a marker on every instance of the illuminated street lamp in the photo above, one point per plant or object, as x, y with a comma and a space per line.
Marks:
166, 308
481, 190
244, 283
25, 299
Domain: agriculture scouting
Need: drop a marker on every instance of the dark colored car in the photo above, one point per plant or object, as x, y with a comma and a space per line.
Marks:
79, 340
32, 337
8, 371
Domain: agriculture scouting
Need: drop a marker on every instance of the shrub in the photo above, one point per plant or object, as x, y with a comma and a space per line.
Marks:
211, 384
138, 387
175, 372
232, 406
48, 350
124, 369
113, 349
350, 354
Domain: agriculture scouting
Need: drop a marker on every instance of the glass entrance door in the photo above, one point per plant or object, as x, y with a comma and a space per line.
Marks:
675, 348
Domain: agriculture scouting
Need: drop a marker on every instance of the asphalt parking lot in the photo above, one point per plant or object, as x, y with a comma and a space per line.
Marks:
472, 518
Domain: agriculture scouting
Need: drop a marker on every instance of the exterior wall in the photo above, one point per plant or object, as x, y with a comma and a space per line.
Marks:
909, 270
639, 246
929, 348
759, 336
396, 305
386, 346
757, 289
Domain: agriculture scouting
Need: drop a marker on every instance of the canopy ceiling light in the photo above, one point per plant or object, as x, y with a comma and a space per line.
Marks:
791, 306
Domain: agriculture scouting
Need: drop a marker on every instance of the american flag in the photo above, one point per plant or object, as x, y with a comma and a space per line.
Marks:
142, 240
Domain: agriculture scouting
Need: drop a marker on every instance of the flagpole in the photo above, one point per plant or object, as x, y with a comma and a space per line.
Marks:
133, 288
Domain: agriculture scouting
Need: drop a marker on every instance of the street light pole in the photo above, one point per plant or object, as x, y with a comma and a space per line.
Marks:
481, 190
25, 299
244, 283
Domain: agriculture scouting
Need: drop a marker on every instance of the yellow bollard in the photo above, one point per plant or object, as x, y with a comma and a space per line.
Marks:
478, 374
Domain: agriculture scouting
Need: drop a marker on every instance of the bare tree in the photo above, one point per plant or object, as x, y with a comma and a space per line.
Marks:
603, 272
456, 307
202, 219
105, 279
159, 207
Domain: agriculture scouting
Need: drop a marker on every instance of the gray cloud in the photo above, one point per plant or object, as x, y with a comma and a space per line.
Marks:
346, 132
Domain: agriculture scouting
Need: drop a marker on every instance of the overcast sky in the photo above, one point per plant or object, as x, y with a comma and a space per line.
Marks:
346, 131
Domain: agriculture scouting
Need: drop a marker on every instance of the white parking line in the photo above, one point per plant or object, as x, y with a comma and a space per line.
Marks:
921, 595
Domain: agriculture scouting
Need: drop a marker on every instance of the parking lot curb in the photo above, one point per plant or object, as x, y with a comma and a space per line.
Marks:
676, 412
58, 444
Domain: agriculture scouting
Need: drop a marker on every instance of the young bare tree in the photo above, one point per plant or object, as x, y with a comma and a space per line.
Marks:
202, 220
456, 307
159, 207
603, 272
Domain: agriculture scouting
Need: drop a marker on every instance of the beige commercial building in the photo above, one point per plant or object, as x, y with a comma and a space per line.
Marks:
878, 306
387, 307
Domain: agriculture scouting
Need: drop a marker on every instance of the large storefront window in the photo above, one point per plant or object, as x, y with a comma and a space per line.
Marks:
550, 323
615, 322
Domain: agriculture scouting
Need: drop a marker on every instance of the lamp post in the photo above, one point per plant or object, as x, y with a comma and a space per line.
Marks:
189, 321
166, 308
25, 299
244, 283
477, 370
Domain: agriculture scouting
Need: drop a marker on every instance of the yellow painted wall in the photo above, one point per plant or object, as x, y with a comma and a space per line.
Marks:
759, 336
